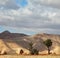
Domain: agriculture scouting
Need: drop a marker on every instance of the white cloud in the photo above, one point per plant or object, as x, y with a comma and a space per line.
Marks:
34, 17
8, 4
2, 2
27, 11
52, 3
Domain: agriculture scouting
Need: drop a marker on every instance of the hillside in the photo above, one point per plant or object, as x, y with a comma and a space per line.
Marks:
7, 34
42, 37
13, 42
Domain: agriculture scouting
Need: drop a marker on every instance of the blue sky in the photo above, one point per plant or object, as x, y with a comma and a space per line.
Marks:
22, 3
1, 29
30, 16
14, 30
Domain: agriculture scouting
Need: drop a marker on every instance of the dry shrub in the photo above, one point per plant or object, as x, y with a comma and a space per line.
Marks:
21, 51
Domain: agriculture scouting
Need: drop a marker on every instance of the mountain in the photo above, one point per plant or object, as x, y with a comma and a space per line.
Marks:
13, 42
7, 34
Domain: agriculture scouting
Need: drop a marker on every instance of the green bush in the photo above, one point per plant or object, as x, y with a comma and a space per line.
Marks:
48, 44
34, 52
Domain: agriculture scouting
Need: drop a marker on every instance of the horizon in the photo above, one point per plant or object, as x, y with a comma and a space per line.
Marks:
26, 33
30, 16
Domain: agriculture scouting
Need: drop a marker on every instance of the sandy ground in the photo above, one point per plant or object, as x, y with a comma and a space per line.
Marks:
29, 56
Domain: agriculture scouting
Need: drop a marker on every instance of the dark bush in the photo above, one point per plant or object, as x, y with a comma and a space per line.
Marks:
34, 52
21, 51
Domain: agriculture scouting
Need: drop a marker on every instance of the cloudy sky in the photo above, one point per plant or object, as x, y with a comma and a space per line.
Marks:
30, 16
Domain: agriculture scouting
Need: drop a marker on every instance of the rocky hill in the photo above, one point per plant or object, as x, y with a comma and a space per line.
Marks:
7, 34
42, 37
13, 42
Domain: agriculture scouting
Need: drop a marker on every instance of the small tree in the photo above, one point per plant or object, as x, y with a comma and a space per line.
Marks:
48, 44
21, 51
32, 51
31, 46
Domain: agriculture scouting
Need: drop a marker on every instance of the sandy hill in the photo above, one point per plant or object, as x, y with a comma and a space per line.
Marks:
13, 42
42, 37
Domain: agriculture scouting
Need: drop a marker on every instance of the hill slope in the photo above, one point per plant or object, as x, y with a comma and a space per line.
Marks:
7, 34
14, 42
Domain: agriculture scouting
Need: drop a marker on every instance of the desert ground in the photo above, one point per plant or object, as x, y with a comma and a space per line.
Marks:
22, 56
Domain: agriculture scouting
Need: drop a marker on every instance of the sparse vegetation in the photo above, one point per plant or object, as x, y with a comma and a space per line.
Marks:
48, 44
21, 51
32, 50
15, 44
31, 46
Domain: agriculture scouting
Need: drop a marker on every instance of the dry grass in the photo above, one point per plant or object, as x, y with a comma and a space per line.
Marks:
29, 56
